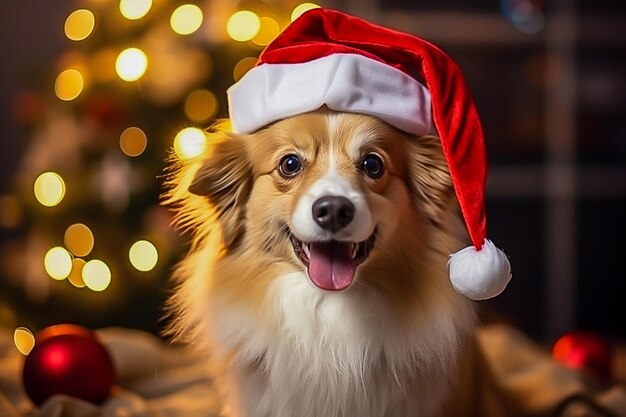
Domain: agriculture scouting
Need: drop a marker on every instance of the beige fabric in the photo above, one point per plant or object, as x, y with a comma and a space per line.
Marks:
511, 376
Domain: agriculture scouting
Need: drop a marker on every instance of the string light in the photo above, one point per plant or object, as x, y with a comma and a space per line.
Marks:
79, 24
242, 26
190, 142
131, 64
49, 189
24, 340
76, 275
135, 9
267, 32
299, 10
143, 255
243, 66
200, 105
186, 19
79, 239
96, 275
58, 263
69, 84
133, 141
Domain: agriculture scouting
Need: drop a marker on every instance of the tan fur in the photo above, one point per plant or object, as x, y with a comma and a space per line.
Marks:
240, 210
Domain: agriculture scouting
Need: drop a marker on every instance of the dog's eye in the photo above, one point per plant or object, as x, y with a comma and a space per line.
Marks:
372, 166
289, 166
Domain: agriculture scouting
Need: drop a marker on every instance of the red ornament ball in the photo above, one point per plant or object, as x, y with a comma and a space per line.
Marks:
68, 359
585, 352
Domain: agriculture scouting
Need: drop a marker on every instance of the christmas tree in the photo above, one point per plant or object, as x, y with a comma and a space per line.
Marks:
140, 80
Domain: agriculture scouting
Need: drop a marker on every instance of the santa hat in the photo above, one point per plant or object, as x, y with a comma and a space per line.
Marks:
326, 57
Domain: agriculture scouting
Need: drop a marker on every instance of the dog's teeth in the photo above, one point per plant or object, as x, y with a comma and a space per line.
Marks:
307, 249
355, 249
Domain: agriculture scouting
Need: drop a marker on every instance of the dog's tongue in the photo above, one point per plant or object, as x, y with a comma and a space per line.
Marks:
331, 266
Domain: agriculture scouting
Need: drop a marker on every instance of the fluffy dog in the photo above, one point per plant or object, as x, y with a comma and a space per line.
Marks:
317, 275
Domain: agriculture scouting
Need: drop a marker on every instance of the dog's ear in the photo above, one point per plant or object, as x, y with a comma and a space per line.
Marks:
430, 176
225, 179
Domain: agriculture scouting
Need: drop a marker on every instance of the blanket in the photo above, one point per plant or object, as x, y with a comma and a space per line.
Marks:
155, 379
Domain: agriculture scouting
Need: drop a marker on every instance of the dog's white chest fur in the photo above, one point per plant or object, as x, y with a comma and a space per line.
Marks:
336, 355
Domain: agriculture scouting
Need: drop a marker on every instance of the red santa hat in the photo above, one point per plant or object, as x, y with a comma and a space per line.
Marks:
327, 57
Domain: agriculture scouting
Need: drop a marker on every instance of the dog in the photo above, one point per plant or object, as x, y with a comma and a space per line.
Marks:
316, 278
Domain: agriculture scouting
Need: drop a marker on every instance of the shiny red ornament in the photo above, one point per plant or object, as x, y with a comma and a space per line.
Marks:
586, 352
68, 359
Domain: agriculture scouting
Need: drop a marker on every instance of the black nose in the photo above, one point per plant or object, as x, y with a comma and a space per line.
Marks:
333, 213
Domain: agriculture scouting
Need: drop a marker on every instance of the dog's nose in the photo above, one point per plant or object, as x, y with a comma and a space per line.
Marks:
333, 213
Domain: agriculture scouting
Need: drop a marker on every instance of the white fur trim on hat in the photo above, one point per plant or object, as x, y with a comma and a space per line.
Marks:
343, 82
479, 274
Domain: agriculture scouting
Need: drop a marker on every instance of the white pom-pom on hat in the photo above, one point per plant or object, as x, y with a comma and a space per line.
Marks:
479, 274
326, 57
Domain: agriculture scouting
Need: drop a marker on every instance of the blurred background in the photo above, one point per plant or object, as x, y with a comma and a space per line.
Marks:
96, 93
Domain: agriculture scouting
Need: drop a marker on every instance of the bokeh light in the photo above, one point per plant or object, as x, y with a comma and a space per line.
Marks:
58, 263
200, 105
96, 275
79, 239
186, 19
267, 32
243, 66
133, 141
79, 24
243, 25
300, 9
24, 340
69, 84
131, 64
190, 142
76, 275
143, 255
135, 9
49, 189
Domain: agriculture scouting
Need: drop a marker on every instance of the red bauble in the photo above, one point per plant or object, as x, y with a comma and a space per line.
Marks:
584, 351
68, 359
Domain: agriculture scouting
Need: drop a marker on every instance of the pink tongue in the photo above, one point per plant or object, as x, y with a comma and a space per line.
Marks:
331, 266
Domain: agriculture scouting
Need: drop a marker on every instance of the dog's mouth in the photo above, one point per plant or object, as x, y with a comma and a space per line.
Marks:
332, 264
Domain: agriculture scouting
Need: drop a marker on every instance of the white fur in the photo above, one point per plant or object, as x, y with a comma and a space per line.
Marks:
338, 354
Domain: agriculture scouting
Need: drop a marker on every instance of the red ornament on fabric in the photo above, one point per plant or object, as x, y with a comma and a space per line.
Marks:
68, 359
584, 351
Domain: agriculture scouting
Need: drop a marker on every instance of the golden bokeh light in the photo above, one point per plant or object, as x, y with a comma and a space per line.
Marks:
76, 275
79, 239
49, 189
133, 141
268, 31
143, 255
96, 275
243, 66
69, 84
186, 19
24, 340
58, 263
200, 105
299, 10
131, 64
190, 142
135, 9
243, 25
79, 24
